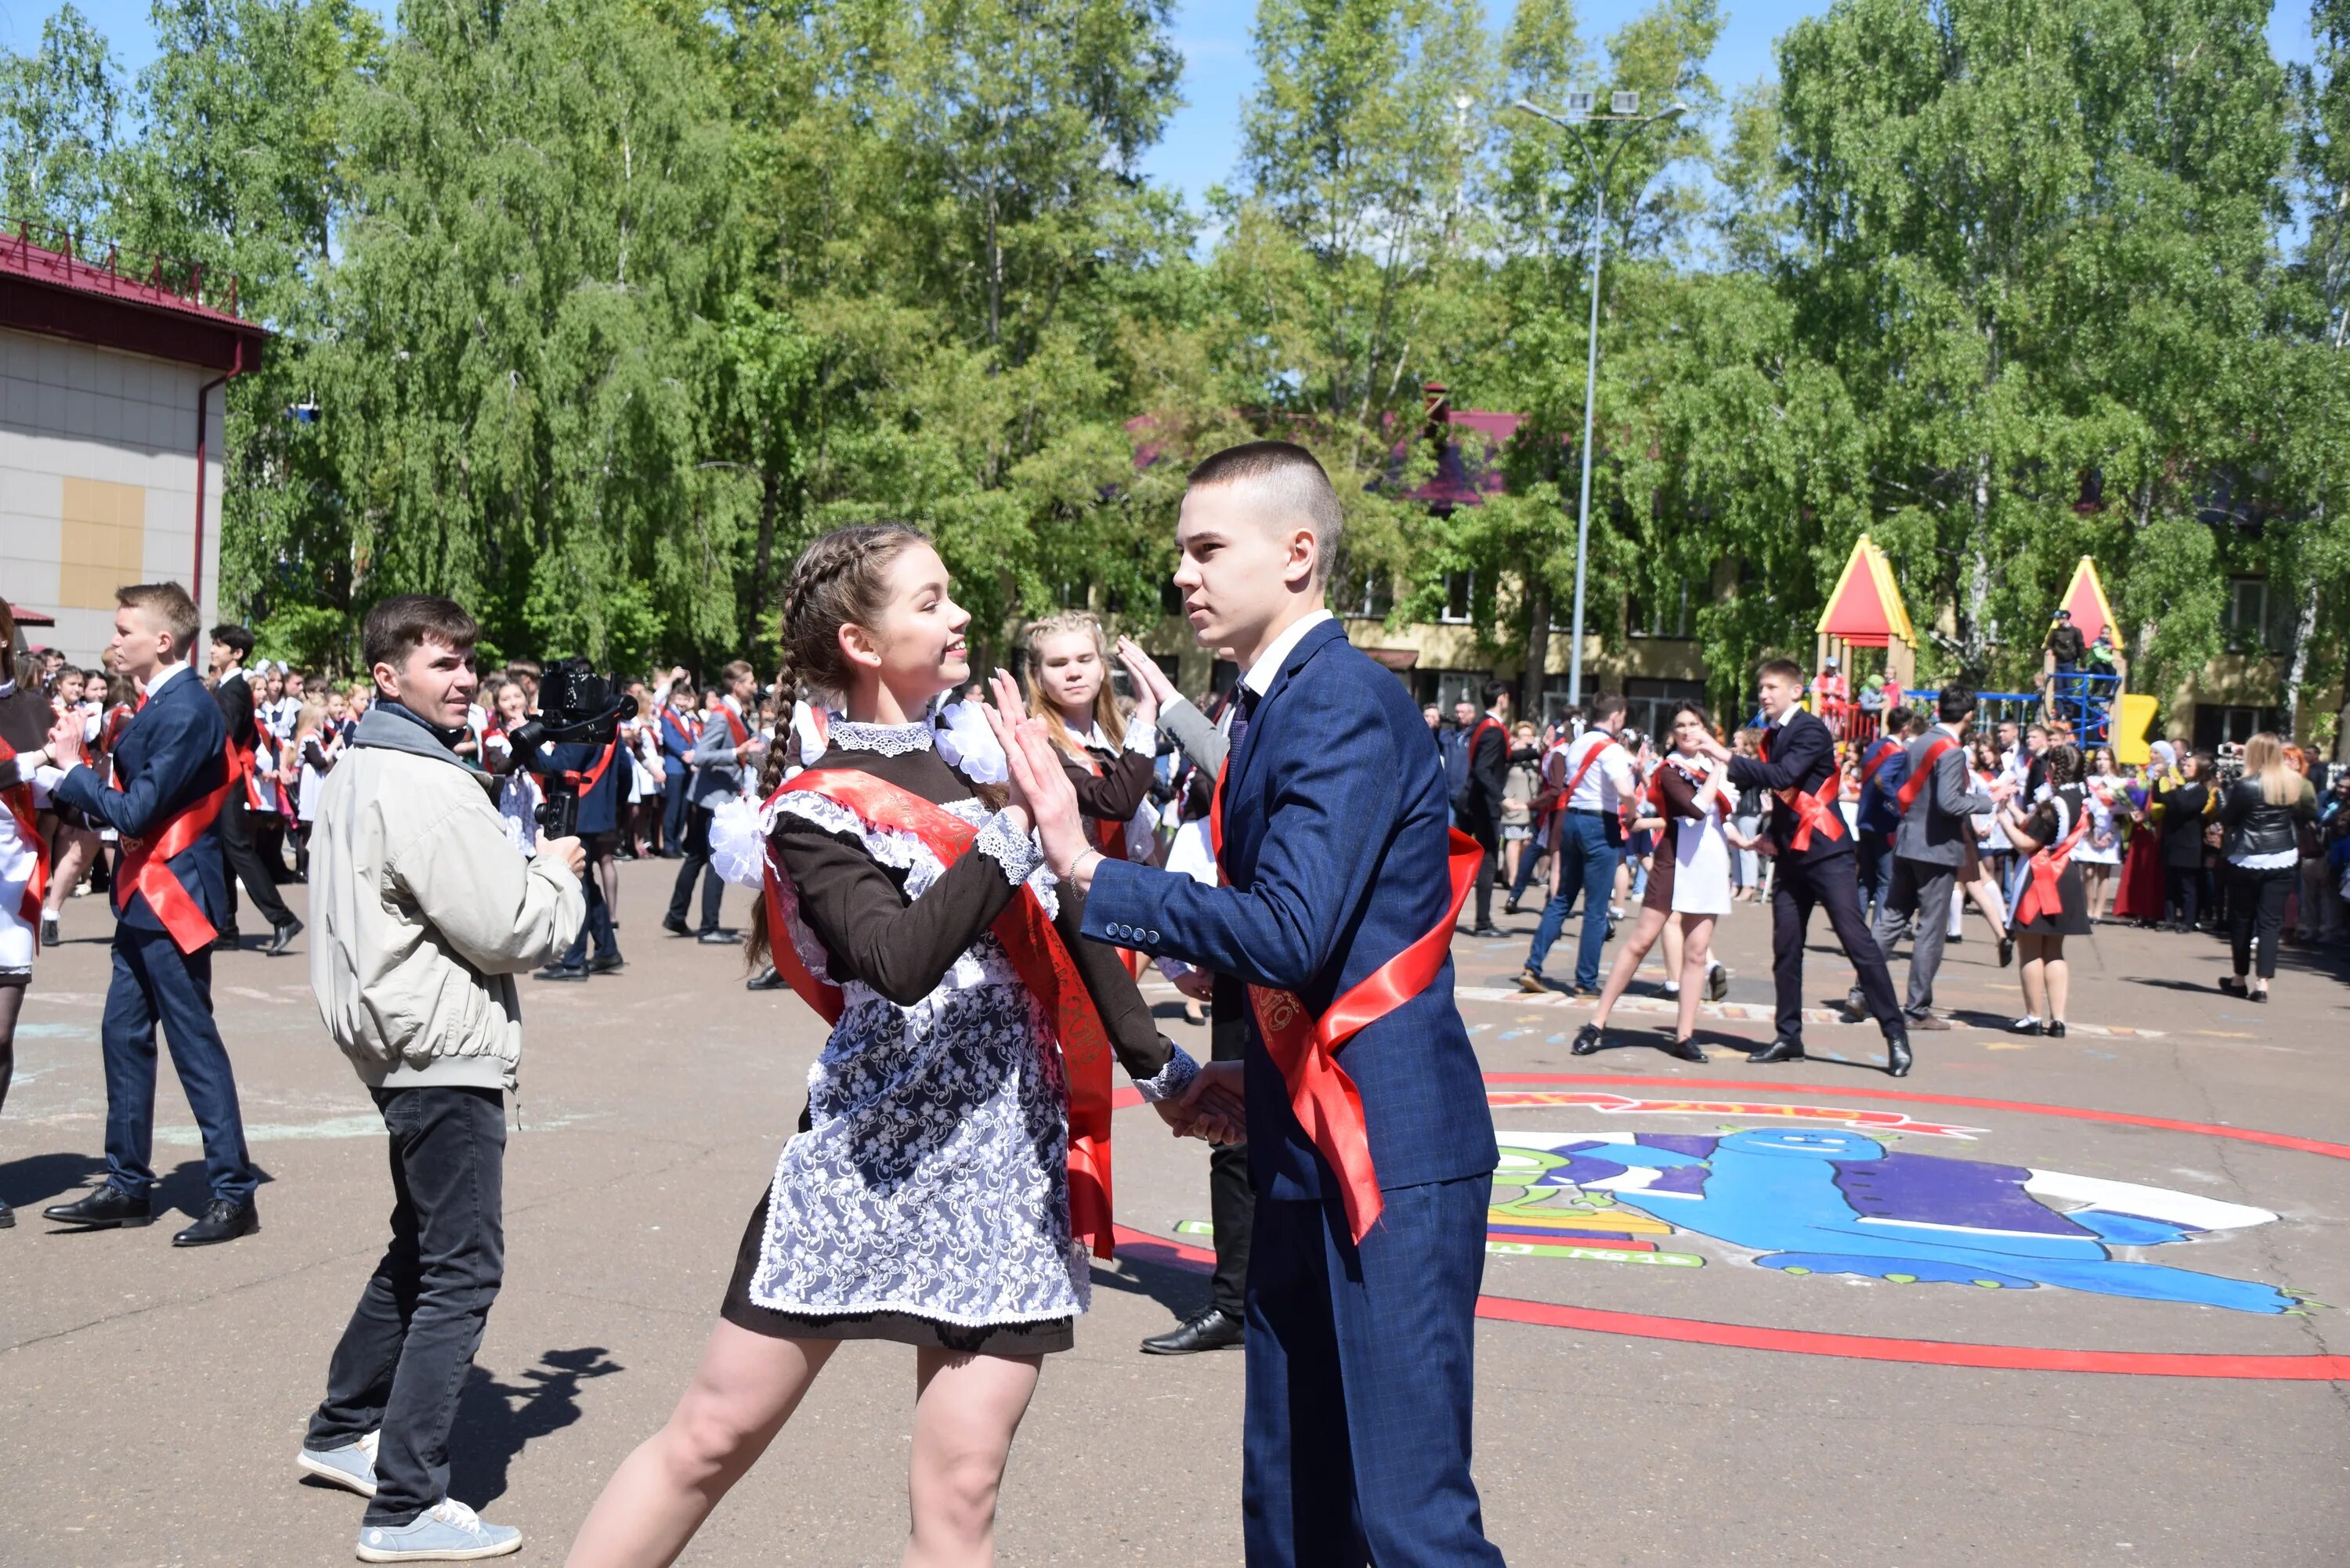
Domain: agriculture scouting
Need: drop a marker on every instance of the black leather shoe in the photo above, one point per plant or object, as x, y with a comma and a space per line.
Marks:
2006, 952
768, 979
605, 963
223, 1222
7, 1218
562, 971
1589, 1039
675, 927
2026, 1026
227, 942
281, 939
1488, 932
2053, 1029
1717, 982
1211, 1329
1896, 1052
107, 1207
721, 938
1687, 1050
1778, 1051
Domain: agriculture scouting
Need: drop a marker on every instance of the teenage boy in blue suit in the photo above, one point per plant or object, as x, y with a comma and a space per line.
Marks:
1336, 817
171, 763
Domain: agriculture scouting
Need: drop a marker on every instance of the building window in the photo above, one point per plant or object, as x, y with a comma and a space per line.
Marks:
1649, 704
1460, 598
1446, 686
2218, 724
1665, 616
2256, 620
1365, 595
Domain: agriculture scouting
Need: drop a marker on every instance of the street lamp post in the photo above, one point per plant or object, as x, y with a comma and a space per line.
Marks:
1638, 123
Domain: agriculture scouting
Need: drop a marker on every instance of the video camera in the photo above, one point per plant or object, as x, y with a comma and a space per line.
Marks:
2229, 762
575, 705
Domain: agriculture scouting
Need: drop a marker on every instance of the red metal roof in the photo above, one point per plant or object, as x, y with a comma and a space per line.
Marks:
146, 309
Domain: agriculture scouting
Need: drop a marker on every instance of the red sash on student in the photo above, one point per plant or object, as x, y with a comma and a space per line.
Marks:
1877, 756
585, 783
734, 725
145, 862
1625, 809
1937, 749
19, 799
1325, 1099
2044, 888
1812, 811
1037, 953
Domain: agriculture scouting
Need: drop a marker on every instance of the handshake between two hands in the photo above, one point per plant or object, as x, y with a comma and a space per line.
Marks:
1213, 1108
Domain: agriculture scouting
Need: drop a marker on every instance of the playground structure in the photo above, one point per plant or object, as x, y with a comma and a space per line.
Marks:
1864, 611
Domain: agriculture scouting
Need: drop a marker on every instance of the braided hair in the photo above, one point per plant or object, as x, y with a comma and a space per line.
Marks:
840, 579
1107, 714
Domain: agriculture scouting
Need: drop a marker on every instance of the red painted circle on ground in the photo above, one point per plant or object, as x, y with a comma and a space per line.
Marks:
1873, 1347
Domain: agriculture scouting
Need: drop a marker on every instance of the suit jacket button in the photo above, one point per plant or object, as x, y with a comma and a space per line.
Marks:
1152, 937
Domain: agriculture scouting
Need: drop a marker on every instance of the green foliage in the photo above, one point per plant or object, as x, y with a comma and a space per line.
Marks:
605, 307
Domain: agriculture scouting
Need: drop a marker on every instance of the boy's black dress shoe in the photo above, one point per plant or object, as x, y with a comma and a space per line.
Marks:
1896, 1052
1211, 1329
223, 1222
103, 1210
281, 938
1776, 1052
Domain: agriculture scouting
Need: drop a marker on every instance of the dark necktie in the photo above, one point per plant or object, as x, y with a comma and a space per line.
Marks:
1243, 709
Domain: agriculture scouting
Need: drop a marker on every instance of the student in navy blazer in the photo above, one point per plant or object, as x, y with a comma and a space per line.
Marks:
1336, 811
167, 760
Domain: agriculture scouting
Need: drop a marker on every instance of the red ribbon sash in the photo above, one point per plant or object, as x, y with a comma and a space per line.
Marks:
734, 726
145, 862
1625, 809
19, 799
1037, 953
1941, 745
2043, 888
1324, 1098
1878, 755
586, 783
1812, 811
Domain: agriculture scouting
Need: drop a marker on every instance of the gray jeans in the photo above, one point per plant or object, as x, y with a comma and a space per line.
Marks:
1918, 903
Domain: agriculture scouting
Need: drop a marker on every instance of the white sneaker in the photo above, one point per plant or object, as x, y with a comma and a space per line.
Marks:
447, 1532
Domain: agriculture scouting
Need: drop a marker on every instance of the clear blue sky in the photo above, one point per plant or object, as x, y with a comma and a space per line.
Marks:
1214, 36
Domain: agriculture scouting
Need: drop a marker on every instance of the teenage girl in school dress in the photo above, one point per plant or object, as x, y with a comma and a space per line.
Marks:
928, 1199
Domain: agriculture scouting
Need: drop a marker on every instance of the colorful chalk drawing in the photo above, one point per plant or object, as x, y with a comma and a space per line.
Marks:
1814, 1199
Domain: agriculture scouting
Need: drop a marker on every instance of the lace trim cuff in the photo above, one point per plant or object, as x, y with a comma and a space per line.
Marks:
1014, 854
889, 740
1142, 738
1171, 1080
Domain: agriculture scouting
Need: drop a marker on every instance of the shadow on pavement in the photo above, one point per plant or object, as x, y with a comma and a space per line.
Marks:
1181, 1289
496, 1420
30, 1182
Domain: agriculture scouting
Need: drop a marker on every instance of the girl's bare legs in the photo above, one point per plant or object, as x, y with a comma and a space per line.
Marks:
2032, 953
1673, 938
967, 1408
2058, 983
1995, 907
1512, 851
74, 848
1628, 963
2100, 881
744, 1390
1695, 935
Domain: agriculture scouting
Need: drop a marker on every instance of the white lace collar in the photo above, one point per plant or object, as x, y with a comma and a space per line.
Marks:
889, 740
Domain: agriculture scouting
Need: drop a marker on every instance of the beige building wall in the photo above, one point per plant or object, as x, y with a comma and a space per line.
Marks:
97, 484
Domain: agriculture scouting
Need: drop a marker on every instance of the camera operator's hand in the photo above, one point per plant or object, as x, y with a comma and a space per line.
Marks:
566, 850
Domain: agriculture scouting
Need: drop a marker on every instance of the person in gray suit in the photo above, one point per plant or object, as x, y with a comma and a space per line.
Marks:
1938, 802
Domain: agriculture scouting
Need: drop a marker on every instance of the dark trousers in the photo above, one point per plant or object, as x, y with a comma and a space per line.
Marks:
2256, 899
402, 1359
155, 984
673, 833
1586, 863
1830, 882
245, 864
1361, 1373
697, 863
1231, 1202
599, 924
1875, 873
1480, 826
2182, 888
1529, 853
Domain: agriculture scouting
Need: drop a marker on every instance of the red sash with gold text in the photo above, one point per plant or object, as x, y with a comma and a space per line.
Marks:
145, 862
2044, 887
1812, 811
1037, 953
1325, 1099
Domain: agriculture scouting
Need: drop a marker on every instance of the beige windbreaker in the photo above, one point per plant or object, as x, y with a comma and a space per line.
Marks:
421, 914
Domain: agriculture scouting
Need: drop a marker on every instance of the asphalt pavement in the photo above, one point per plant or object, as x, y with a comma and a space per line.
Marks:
2045, 1301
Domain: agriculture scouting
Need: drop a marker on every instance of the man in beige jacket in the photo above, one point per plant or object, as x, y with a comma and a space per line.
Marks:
421, 915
